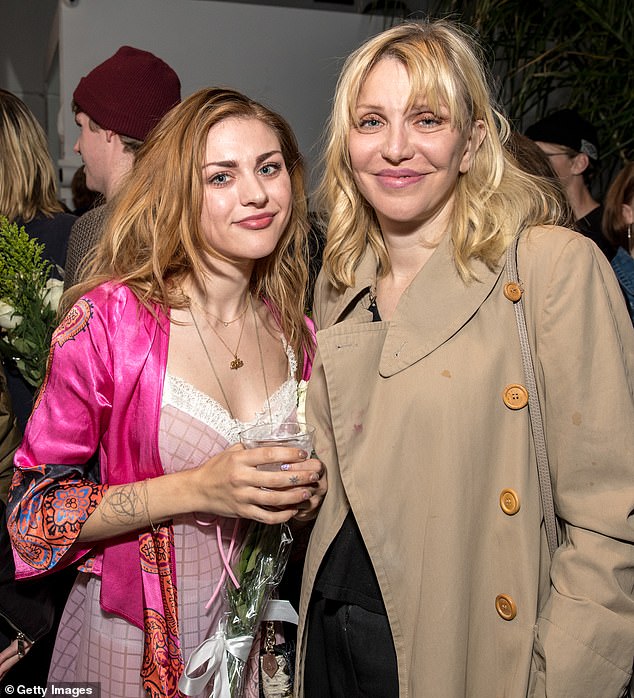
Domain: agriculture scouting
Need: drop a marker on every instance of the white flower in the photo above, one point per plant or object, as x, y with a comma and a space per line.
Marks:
53, 292
302, 387
8, 319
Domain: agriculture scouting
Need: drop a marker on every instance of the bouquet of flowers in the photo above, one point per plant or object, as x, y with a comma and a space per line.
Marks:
28, 302
258, 571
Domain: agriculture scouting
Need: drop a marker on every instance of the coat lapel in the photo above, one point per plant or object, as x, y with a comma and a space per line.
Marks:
338, 306
433, 308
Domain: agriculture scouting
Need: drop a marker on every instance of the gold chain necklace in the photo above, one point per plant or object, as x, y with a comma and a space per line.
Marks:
226, 323
213, 368
266, 387
236, 362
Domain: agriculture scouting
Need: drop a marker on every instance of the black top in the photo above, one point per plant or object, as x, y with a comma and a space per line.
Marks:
346, 573
590, 226
53, 233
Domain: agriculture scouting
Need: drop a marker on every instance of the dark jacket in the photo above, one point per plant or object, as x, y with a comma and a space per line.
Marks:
24, 607
9, 439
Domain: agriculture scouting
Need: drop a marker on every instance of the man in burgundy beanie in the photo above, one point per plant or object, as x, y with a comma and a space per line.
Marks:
116, 106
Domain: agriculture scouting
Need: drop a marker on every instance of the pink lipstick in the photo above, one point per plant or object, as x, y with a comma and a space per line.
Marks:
258, 221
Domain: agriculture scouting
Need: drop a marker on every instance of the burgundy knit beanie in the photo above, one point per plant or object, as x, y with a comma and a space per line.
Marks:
129, 92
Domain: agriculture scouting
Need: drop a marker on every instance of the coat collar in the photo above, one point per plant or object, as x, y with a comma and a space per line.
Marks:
431, 310
344, 303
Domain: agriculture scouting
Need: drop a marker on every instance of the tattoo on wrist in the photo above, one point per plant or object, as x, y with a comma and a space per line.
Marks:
124, 506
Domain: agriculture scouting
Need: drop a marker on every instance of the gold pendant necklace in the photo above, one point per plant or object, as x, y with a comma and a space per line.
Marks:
236, 362
213, 369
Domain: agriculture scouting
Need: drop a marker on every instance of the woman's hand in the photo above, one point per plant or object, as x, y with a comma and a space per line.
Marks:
268, 484
309, 509
12, 654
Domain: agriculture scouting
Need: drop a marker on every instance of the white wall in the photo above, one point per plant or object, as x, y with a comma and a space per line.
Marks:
25, 26
287, 58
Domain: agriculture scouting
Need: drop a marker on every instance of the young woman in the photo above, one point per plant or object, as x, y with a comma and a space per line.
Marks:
431, 540
190, 328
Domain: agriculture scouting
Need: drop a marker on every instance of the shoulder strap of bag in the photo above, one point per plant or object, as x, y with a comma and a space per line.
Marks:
534, 409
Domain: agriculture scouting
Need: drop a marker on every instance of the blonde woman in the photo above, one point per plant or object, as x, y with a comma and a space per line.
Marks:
189, 329
28, 197
428, 572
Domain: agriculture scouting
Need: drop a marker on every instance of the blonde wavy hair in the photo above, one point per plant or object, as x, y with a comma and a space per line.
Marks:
27, 177
153, 238
493, 200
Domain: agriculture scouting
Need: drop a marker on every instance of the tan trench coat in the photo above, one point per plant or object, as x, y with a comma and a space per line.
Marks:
414, 430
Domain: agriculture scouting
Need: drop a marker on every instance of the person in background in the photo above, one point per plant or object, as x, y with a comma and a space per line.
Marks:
531, 158
571, 144
10, 652
28, 197
27, 610
618, 220
116, 105
189, 329
428, 570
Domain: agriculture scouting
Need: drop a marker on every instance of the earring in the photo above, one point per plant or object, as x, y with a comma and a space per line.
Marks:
629, 238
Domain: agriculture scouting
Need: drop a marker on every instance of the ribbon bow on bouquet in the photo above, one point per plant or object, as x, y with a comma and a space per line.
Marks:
258, 572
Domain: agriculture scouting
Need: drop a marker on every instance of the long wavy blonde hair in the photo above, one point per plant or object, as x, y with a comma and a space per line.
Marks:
493, 200
27, 177
153, 237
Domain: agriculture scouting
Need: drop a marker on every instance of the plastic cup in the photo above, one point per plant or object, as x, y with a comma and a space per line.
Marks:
289, 434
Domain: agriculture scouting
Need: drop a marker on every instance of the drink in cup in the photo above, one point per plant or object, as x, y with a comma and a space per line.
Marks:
289, 434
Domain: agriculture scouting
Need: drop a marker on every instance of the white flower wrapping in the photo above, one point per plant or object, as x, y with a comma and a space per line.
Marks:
258, 570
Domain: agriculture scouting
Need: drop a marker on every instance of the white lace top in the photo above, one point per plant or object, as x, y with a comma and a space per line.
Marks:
185, 397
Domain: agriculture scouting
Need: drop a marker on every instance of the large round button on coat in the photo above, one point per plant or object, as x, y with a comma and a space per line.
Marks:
515, 396
509, 501
505, 606
512, 291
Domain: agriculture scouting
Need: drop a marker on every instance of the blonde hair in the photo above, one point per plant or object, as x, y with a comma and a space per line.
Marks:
493, 200
27, 177
153, 236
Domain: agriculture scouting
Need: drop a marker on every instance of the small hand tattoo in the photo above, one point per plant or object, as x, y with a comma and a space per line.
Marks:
294, 479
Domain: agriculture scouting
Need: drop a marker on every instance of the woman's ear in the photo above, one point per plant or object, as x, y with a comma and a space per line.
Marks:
478, 132
628, 213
